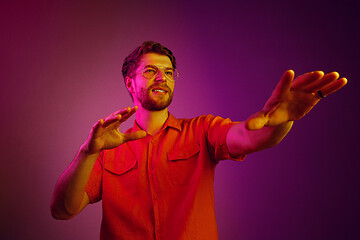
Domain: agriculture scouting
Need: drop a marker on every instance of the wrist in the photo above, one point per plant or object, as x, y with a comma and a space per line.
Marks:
86, 151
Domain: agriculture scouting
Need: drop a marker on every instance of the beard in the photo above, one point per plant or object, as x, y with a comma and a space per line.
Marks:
154, 104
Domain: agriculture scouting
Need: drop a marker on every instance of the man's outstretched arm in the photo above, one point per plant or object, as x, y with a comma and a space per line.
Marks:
69, 196
291, 100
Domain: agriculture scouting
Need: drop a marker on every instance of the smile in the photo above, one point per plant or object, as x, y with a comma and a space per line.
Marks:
159, 90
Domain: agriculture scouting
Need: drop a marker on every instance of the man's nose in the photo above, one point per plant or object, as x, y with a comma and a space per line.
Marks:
160, 76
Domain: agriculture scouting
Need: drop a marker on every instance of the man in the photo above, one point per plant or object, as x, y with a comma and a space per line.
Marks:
156, 180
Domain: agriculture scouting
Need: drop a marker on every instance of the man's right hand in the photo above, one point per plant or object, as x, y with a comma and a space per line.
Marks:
105, 133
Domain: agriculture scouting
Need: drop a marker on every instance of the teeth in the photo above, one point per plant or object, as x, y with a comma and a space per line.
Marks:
159, 90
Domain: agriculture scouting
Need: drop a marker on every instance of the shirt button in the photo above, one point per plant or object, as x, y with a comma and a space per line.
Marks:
156, 197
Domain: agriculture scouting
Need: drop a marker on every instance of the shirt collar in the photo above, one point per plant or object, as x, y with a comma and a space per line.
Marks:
173, 122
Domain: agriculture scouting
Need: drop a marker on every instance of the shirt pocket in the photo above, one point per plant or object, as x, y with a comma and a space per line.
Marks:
184, 165
120, 176
120, 167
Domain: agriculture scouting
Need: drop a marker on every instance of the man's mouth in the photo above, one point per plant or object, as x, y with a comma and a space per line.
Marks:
161, 90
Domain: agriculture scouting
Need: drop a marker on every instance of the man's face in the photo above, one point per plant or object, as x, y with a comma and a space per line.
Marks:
153, 94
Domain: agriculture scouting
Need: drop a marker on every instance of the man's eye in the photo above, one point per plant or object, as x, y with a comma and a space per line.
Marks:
149, 70
169, 72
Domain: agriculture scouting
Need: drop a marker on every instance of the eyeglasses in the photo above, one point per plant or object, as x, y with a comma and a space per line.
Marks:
150, 71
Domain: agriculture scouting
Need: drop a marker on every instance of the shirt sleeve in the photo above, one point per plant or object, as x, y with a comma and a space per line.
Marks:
216, 129
94, 185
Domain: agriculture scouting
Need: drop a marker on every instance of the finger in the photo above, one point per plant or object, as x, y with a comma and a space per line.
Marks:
304, 80
134, 135
122, 111
328, 78
280, 90
97, 125
129, 114
95, 129
110, 120
285, 82
334, 86
119, 116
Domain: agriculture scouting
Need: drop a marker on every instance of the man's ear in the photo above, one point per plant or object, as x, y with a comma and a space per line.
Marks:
129, 84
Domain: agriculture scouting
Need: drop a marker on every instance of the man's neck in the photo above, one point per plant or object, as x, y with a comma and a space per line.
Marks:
151, 121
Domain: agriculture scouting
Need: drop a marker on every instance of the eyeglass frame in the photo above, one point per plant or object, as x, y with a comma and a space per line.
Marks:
157, 72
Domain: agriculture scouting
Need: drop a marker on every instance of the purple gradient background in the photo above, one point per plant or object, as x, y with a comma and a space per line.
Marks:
61, 71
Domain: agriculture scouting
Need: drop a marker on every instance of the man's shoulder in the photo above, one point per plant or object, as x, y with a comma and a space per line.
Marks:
198, 118
207, 117
201, 120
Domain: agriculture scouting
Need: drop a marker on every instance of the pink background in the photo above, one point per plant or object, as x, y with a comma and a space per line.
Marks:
61, 72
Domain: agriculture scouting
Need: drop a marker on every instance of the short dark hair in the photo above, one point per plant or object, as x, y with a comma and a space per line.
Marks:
131, 61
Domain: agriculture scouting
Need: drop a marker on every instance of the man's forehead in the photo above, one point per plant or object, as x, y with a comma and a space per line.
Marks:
155, 59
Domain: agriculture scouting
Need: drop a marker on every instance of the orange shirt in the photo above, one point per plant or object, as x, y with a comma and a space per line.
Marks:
161, 186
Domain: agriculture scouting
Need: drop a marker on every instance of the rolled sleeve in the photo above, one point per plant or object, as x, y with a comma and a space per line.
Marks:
217, 129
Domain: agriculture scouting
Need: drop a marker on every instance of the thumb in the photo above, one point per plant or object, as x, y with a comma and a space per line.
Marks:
134, 135
256, 121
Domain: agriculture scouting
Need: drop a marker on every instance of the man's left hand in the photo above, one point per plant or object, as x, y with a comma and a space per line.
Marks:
293, 98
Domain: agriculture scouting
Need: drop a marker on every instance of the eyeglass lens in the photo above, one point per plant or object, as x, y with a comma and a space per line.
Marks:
152, 71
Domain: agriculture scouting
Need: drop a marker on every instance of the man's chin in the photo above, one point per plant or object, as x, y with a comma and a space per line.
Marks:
155, 107
152, 105
152, 102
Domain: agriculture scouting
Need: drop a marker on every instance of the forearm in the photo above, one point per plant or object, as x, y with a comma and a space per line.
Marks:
70, 188
240, 140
